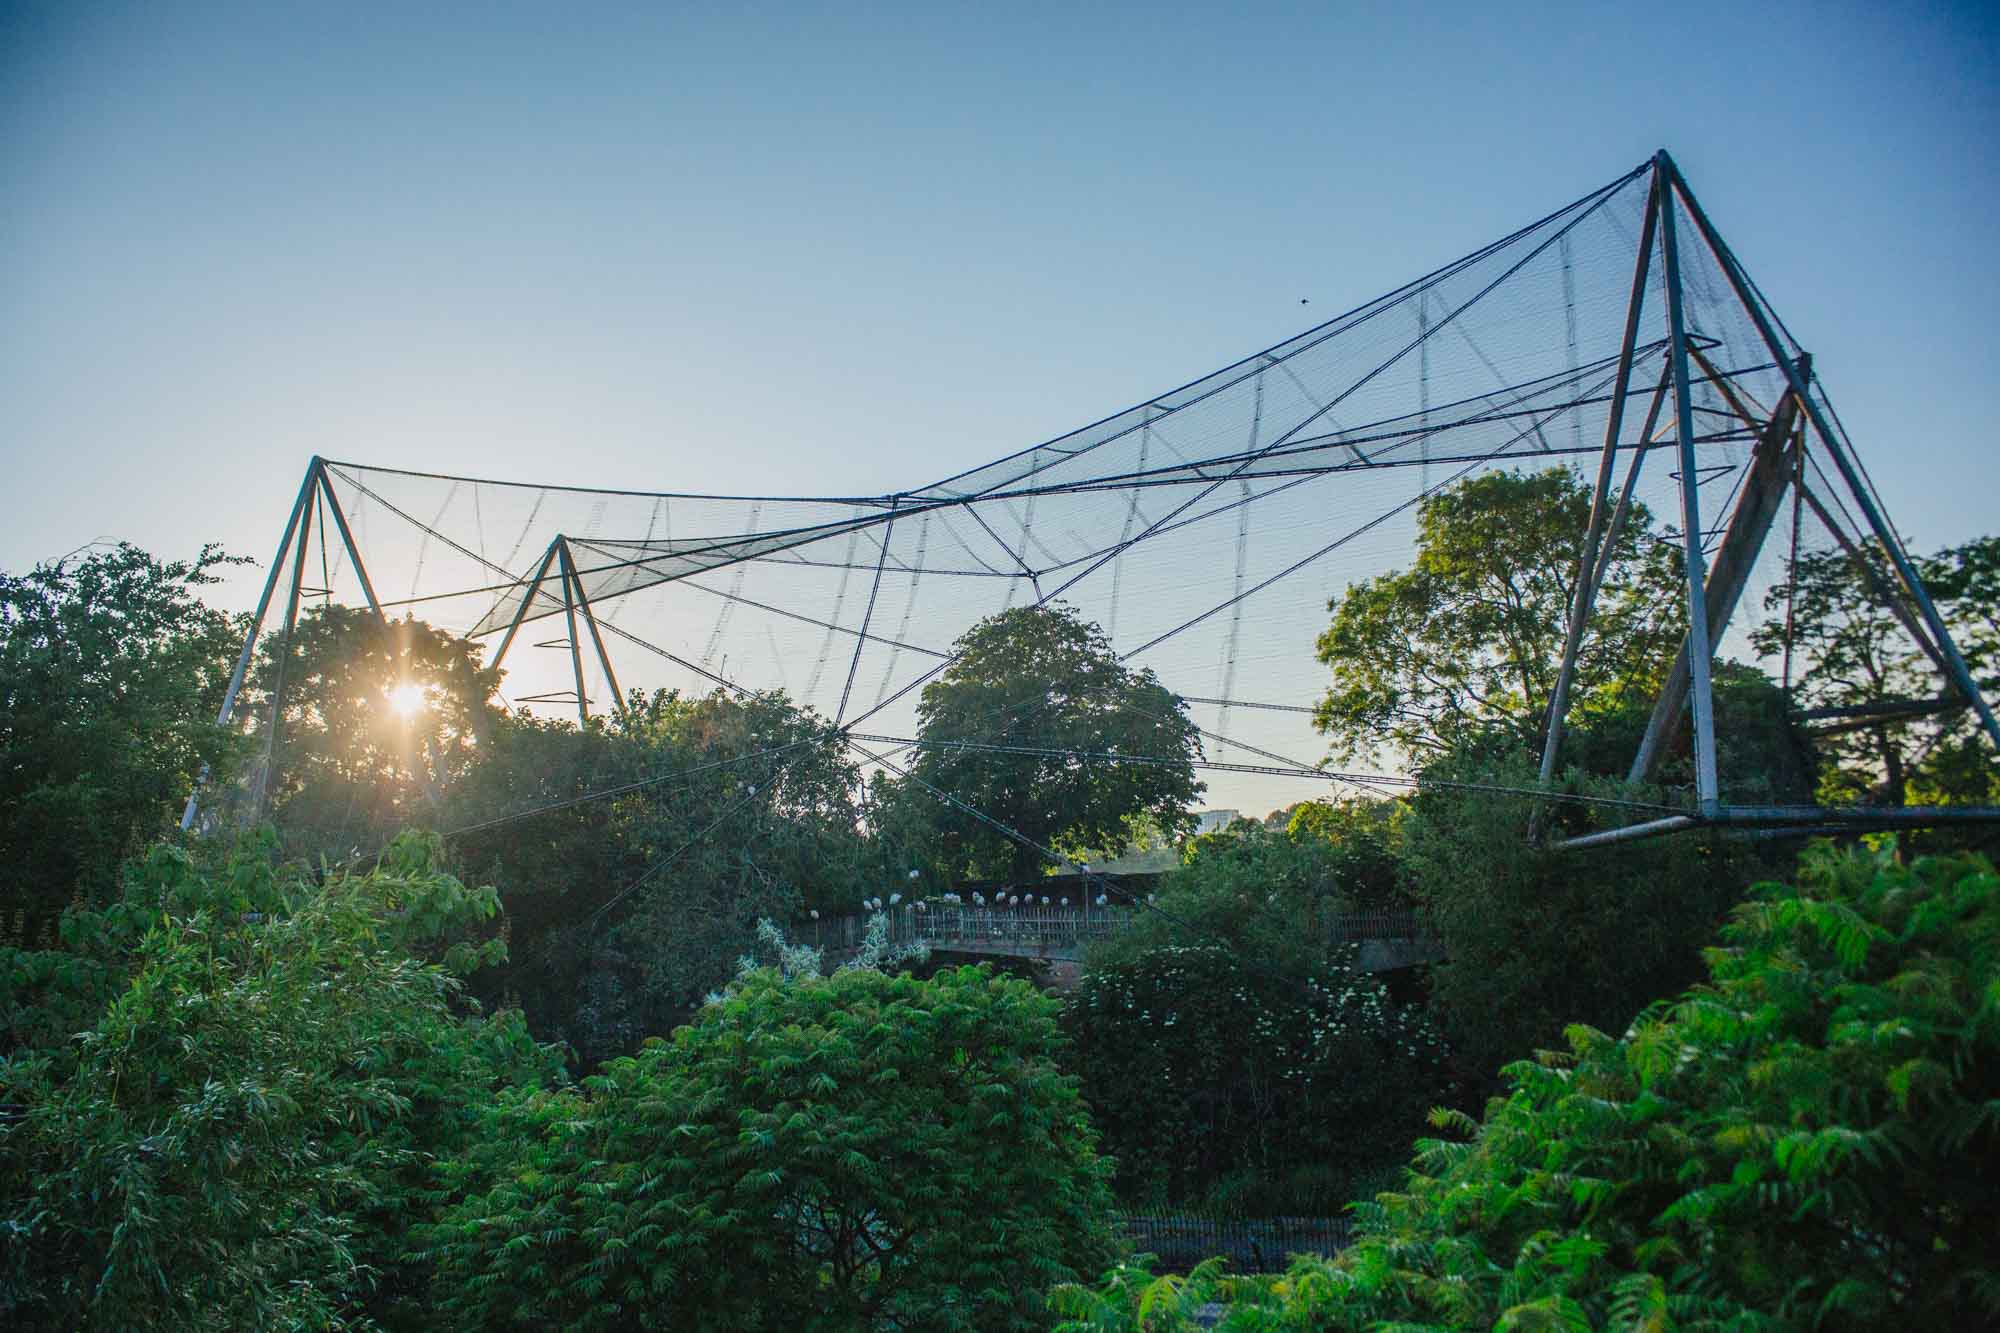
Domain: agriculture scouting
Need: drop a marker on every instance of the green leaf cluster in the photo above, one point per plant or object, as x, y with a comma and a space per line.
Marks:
1536, 938
1466, 641
1045, 681
854, 1151
264, 1069
1218, 1079
111, 672
1810, 1139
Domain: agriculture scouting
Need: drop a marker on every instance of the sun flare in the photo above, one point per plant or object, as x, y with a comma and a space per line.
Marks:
407, 700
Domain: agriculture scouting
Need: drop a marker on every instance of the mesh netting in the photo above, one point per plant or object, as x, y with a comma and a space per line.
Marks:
1205, 530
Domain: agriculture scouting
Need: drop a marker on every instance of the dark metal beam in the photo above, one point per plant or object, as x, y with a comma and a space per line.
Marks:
284, 658
1586, 569
1791, 819
590, 620
347, 540
1772, 463
1739, 282
521, 614
1700, 646
568, 576
222, 716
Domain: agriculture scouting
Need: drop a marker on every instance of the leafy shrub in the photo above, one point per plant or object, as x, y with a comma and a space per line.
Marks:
1271, 889
844, 1152
241, 1133
111, 668
1810, 1139
1537, 938
1202, 1070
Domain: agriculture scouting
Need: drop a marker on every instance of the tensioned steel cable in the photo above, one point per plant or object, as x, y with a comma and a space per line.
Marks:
1287, 436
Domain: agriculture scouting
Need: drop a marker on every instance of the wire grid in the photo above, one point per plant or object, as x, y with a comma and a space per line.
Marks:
1206, 530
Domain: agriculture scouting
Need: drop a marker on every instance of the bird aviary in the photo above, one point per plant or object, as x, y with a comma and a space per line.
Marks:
1206, 529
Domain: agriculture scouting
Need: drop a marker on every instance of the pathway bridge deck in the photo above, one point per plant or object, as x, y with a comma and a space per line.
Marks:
1060, 932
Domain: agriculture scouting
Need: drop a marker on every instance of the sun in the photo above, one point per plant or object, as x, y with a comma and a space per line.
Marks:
408, 700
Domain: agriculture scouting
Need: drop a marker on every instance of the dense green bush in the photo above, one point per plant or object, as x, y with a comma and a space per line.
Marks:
857, 1151
1537, 938
240, 1134
1811, 1139
1271, 890
1213, 1077
111, 670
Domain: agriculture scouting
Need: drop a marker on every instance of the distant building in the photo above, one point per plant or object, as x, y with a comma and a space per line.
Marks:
1212, 821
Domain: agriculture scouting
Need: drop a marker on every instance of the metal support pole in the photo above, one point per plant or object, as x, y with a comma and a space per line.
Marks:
1630, 489
1701, 650
1873, 577
569, 615
256, 625
1897, 605
1792, 563
590, 620
284, 659
347, 540
1586, 567
1739, 282
1652, 828
1772, 463
527, 599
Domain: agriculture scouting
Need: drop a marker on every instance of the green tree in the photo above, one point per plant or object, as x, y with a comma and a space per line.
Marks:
243, 1133
1221, 1077
1272, 893
1045, 681
1536, 938
1851, 652
1808, 1140
377, 721
1468, 639
111, 672
857, 1151
635, 856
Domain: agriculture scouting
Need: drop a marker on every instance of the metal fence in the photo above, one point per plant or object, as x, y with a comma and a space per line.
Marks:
1031, 928
1252, 1245
1402, 925
966, 929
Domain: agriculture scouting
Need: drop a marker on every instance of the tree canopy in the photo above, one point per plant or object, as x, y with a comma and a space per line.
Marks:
111, 671
1467, 640
1537, 938
853, 1151
1046, 682
240, 1127
378, 720
1807, 1140
627, 910
1831, 620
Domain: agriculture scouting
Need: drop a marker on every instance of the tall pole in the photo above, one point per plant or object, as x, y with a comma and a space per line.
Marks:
256, 624
1760, 493
596, 638
569, 614
1623, 509
1586, 570
284, 658
1739, 282
527, 599
1701, 651
347, 540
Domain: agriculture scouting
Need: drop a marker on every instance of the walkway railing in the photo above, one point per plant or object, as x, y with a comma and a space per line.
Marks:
1252, 1245
1057, 930
967, 929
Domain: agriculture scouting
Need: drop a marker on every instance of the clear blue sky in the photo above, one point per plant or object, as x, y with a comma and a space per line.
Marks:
851, 249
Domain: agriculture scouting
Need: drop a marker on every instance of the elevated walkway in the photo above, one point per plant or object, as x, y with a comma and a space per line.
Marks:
1060, 932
